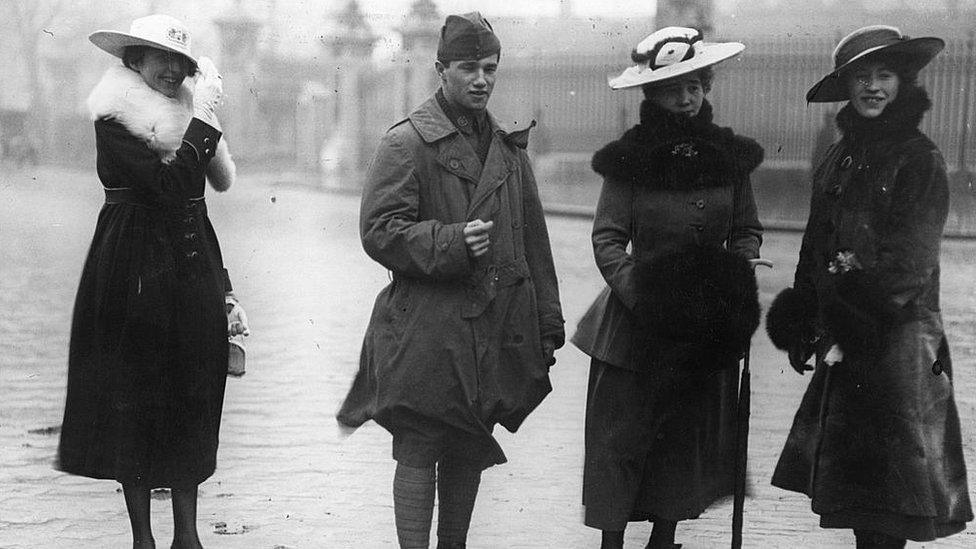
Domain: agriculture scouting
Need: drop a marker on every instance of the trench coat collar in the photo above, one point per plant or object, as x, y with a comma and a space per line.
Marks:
456, 155
433, 124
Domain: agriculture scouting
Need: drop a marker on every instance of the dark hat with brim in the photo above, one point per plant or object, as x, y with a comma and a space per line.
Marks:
155, 31
874, 43
465, 37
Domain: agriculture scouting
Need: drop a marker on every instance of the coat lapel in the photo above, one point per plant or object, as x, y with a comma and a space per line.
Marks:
498, 166
455, 155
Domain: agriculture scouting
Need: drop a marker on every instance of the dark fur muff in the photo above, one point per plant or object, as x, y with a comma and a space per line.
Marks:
697, 310
792, 318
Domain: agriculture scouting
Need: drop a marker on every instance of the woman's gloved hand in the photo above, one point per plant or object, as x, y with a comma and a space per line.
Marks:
799, 352
236, 317
207, 92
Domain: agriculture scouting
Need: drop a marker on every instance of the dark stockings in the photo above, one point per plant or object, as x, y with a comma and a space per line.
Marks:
185, 534
662, 535
612, 540
137, 504
184, 517
877, 540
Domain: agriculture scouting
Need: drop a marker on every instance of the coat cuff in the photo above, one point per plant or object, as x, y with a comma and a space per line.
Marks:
202, 138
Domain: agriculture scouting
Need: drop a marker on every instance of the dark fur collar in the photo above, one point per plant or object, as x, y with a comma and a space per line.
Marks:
671, 151
901, 119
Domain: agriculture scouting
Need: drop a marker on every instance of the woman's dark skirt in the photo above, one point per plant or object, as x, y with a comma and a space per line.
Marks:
656, 448
148, 354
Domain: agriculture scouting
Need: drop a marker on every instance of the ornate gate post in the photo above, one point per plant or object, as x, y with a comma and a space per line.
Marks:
342, 159
239, 115
420, 35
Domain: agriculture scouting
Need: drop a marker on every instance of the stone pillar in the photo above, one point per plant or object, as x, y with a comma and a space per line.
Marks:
238, 64
343, 159
420, 35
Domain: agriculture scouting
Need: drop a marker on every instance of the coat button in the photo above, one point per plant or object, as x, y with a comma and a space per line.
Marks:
191, 255
700, 204
206, 140
206, 151
189, 220
454, 164
190, 236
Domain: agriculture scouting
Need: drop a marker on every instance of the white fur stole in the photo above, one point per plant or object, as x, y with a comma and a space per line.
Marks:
122, 95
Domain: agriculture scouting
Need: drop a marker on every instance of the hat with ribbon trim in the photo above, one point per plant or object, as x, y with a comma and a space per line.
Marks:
155, 31
873, 43
672, 52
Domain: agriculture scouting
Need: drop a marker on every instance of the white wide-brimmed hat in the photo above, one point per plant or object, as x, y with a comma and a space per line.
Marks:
156, 31
672, 52
870, 43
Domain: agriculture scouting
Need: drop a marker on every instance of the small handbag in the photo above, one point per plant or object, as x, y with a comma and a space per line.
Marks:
236, 353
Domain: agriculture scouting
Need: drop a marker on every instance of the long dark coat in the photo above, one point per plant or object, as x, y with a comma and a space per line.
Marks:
876, 441
148, 354
669, 183
453, 339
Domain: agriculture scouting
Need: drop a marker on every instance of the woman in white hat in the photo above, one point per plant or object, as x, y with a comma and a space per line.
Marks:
674, 236
149, 339
876, 441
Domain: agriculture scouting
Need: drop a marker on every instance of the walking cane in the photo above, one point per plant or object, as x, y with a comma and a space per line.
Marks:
742, 438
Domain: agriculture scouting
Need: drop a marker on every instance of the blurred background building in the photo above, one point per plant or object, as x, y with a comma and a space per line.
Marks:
310, 86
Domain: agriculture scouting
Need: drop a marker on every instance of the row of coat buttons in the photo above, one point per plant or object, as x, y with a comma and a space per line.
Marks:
190, 236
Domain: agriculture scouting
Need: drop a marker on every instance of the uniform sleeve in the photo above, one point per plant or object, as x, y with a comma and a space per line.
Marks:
612, 227
126, 161
908, 251
538, 254
747, 231
390, 227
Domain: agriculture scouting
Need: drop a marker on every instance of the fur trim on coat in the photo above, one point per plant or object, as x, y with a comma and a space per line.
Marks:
122, 95
697, 309
676, 152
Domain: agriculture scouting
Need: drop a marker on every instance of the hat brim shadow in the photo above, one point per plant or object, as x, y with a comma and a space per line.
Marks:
710, 54
914, 55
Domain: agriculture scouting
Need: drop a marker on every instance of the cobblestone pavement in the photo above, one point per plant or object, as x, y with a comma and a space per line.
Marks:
286, 477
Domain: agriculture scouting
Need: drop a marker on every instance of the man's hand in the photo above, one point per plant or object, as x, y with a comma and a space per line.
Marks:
476, 236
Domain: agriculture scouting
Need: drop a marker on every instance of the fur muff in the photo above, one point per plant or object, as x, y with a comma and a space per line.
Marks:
122, 95
792, 318
697, 309
671, 151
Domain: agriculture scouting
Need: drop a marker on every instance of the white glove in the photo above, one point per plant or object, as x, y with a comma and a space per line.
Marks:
834, 355
236, 317
207, 92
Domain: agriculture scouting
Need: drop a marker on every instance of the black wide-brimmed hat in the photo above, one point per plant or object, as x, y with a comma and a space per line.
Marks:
877, 42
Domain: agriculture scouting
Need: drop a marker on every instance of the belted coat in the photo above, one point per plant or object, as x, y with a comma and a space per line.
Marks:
147, 362
876, 441
454, 339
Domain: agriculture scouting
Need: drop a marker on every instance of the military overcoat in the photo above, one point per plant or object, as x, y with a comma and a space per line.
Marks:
452, 338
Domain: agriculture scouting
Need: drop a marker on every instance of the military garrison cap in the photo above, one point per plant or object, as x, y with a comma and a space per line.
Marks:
467, 36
